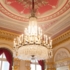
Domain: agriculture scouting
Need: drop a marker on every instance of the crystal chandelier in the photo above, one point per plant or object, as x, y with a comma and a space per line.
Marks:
33, 44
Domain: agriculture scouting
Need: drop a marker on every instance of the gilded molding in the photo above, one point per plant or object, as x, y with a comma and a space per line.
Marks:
6, 35
62, 38
16, 64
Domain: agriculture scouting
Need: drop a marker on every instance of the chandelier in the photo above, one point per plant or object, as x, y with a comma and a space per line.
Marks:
33, 44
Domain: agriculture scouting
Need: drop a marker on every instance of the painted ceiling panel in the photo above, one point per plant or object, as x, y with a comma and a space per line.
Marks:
42, 6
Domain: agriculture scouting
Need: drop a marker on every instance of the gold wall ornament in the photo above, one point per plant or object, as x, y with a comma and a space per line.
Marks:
50, 65
14, 67
16, 64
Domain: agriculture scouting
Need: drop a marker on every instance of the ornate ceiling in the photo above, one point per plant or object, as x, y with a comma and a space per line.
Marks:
52, 15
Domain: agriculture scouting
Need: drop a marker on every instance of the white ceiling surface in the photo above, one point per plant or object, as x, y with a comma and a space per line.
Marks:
61, 23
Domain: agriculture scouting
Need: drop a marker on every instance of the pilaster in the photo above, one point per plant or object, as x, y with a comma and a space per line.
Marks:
50, 65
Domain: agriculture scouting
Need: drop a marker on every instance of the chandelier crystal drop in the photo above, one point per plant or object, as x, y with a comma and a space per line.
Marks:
33, 44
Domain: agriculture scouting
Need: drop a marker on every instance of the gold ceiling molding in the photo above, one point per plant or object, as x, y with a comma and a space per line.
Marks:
62, 38
7, 35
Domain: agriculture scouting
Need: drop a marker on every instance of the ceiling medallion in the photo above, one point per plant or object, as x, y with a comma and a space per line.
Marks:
38, 3
56, 14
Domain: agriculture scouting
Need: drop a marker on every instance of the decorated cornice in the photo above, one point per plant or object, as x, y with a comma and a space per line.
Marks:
6, 35
62, 38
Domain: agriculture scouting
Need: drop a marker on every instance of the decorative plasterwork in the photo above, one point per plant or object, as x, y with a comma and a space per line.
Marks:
62, 38
61, 64
61, 54
54, 15
62, 57
40, 6
6, 35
